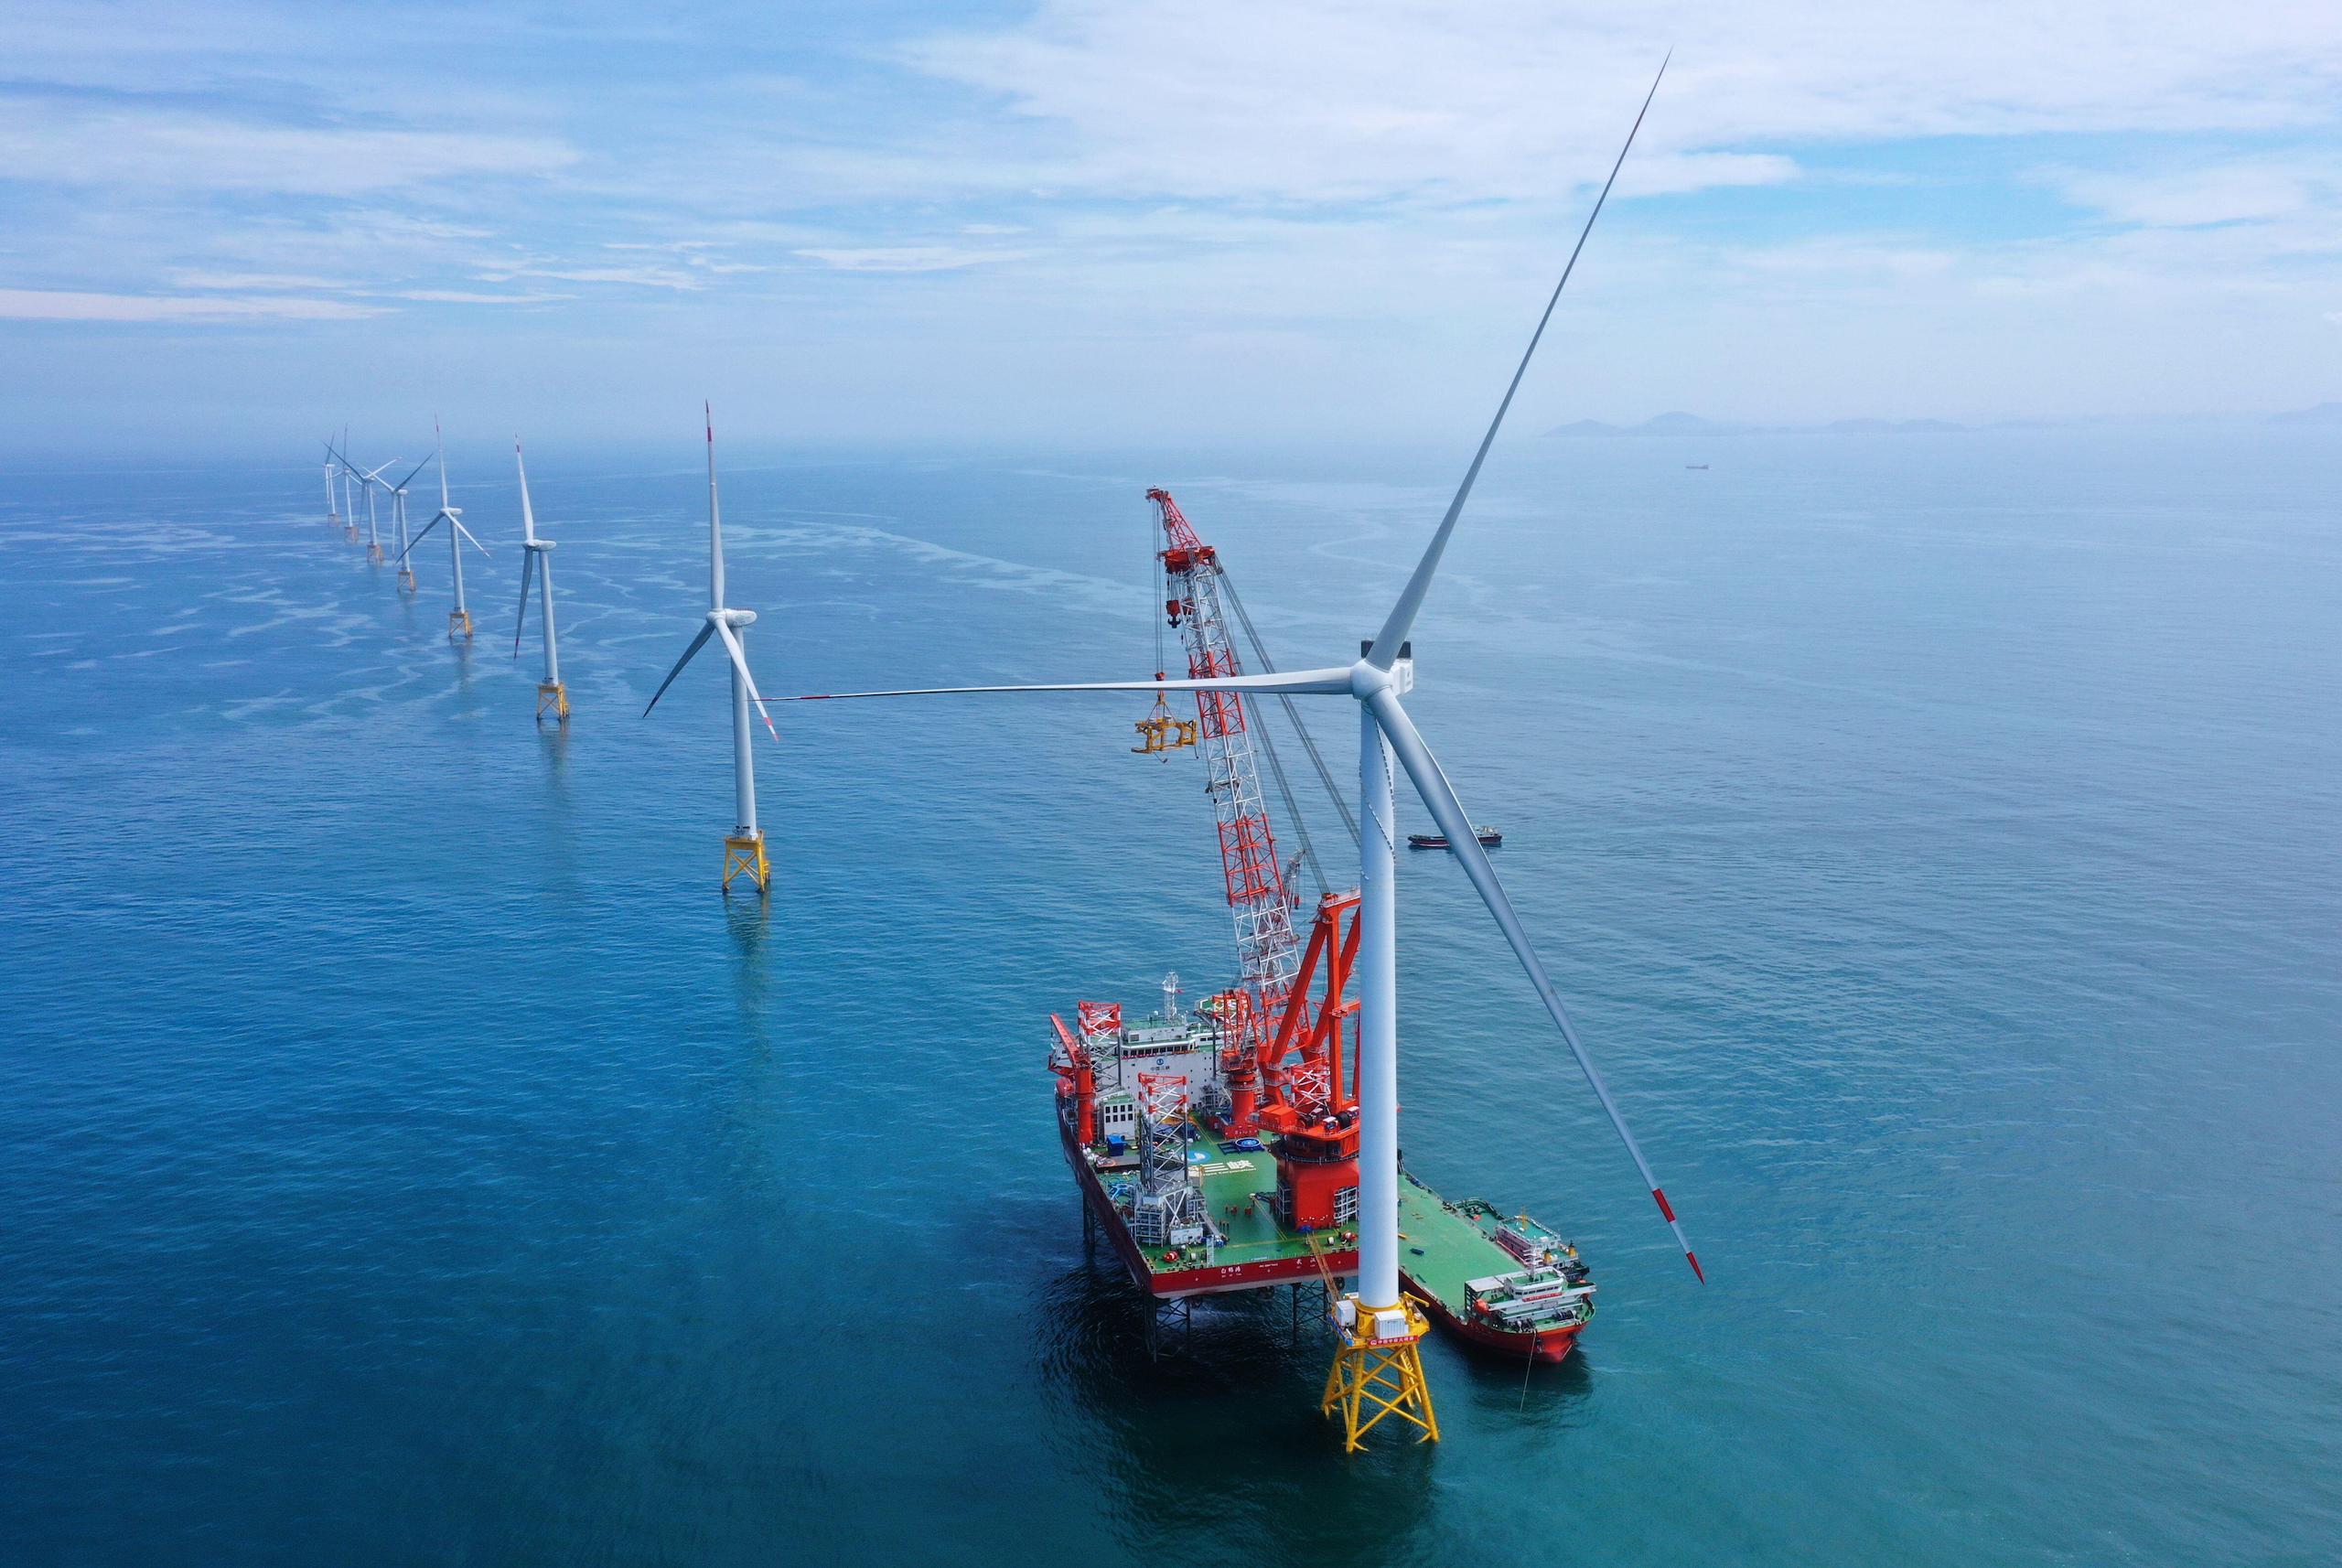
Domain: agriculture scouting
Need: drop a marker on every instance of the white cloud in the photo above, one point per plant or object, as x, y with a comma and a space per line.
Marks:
1328, 100
185, 278
115, 144
48, 305
906, 258
2238, 192
461, 296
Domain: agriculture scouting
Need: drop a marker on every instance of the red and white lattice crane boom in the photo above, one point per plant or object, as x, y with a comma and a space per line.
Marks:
1259, 1022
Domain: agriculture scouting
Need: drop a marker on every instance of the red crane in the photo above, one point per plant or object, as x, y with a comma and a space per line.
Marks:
1267, 953
1305, 1103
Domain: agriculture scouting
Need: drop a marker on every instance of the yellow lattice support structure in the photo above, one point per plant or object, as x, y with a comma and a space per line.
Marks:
373, 550
460, 623
743, 855
350, 530
1378, 1366
552, 697
407, 579
1378, 1371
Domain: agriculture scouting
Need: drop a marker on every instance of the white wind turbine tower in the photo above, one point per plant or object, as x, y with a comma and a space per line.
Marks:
348, 505
744, 847
459, 620
536, 554
373, 532
398, 529
1378, 1368
333, 501
367, 482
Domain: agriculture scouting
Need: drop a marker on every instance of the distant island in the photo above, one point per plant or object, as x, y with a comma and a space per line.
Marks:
1692, 424
1680, 423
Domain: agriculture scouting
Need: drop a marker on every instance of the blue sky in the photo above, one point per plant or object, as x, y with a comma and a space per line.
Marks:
1092, 223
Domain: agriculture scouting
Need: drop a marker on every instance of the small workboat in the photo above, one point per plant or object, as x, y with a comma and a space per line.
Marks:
1487, 835
1508, 1284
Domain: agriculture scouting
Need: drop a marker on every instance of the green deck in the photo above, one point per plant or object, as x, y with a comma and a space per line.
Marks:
1254, 1237
1440, 1250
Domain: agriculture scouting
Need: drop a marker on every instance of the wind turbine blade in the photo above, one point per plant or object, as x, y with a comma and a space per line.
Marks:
410, 473
1402, 613
740, 662
528, 518
528, 566
714, 520
439, 449
466, 532
1431, 783
418, 538
697, 643
1318, 682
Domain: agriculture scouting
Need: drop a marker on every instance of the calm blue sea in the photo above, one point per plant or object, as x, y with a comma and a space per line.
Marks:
407, 1156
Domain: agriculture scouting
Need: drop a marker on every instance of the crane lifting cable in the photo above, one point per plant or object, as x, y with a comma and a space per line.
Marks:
1291, 712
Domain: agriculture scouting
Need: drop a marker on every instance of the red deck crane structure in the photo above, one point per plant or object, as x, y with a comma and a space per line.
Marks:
1268, 953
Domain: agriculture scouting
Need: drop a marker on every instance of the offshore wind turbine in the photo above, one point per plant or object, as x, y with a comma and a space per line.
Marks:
333, 501
1378, 1366
349, 506
459, 620
373, 532
536, 554
744, 847
398, 529
367, 482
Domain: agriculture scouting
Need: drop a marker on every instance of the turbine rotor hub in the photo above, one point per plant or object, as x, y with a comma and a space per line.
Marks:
1366, 680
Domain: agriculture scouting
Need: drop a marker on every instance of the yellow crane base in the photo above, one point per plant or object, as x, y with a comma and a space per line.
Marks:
552, 697
744, 856
460, 623
1374, 1377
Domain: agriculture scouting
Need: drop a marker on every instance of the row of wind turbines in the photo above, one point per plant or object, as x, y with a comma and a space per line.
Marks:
348, 485
1378, 1368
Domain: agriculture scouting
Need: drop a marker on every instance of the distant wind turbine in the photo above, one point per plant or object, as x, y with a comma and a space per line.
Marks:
369, 481
536, 555
398, 529
744, 847
349, 509
459, 620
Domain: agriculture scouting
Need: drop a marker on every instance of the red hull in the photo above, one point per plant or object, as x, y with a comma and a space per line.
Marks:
1551, 1345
